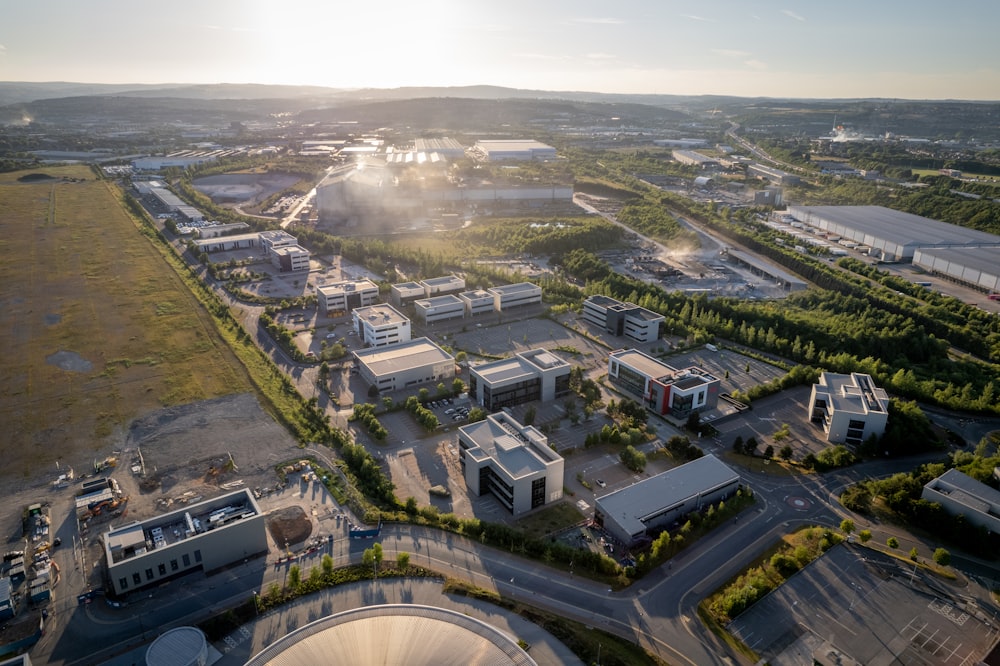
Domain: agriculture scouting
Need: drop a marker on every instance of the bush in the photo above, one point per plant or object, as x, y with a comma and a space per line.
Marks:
942, 557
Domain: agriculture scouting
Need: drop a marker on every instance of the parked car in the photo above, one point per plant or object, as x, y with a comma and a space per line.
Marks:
601, 483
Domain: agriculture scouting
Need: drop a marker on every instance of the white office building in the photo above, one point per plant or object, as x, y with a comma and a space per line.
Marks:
404, 293
406, 364
346, 296
512, 462
849, 407
439, 286
290, 258
380, 325
662, 388
477, 302
439, 308
510, 296
275, 238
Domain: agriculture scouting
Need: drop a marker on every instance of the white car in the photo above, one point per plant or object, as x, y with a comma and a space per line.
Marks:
601, 483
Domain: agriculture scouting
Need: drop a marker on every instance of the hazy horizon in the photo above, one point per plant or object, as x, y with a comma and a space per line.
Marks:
768, 48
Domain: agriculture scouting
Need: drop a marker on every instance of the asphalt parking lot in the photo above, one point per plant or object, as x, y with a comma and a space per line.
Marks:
858, 604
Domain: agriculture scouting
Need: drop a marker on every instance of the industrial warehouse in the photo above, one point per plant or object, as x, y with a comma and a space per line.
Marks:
405, 364
894, 236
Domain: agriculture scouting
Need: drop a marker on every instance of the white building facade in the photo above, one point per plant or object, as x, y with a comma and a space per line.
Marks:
850, 407
623, 319
510, 296
403, 365
346, 296
512, 462
380, 325
439, 308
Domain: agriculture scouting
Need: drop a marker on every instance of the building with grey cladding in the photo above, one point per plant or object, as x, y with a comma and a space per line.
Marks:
208, 535
537, 374
512, 462
510, 296
405, 364
439, 308
439, 286
404, 293
477, 301
892, 235
637, 512
622, 319
961, 495
976, 267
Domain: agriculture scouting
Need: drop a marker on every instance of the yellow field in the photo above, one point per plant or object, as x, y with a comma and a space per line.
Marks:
77, 279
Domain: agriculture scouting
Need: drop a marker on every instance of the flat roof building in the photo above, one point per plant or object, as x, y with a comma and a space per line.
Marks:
290, 258
405, 293
661, 388
380, 325
227, 243
976, 267
439, 308
537, 374
477, 302
509, 296
345, 296
275, 238
776, 176
208, 535
693, 158
445, 146
622, 319
512, 462
892, 235
637, 512
405, 364
498, 150
439, 286
961, 495
850, 407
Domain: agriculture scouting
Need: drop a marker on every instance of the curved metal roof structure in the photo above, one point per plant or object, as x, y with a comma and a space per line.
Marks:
409, 634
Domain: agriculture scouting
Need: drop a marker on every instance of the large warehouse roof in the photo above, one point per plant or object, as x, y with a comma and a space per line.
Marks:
894, 225
395, 634
633, 505
383, 361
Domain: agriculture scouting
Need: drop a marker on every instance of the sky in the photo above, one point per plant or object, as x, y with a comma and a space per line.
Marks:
913, 49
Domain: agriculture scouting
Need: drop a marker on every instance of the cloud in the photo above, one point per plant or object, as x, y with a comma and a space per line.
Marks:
601, 56
791, 14
600, 21
755, 64
731, 53
540, 56
2, 48
694, 17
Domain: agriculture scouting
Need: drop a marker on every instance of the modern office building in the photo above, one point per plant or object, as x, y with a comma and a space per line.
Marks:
405, 364
477, 302
380, 325
634, 513
961, 495
346, 296
513, 462
850, 407
208, 535
404, 293
439, 286
622, 319
275, 238
661, 388
537, 374
510, 296
439, 308
290, 258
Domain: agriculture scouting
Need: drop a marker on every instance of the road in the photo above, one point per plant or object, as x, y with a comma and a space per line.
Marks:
658, 612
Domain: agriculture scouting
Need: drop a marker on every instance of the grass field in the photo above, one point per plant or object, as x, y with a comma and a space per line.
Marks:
78, 278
